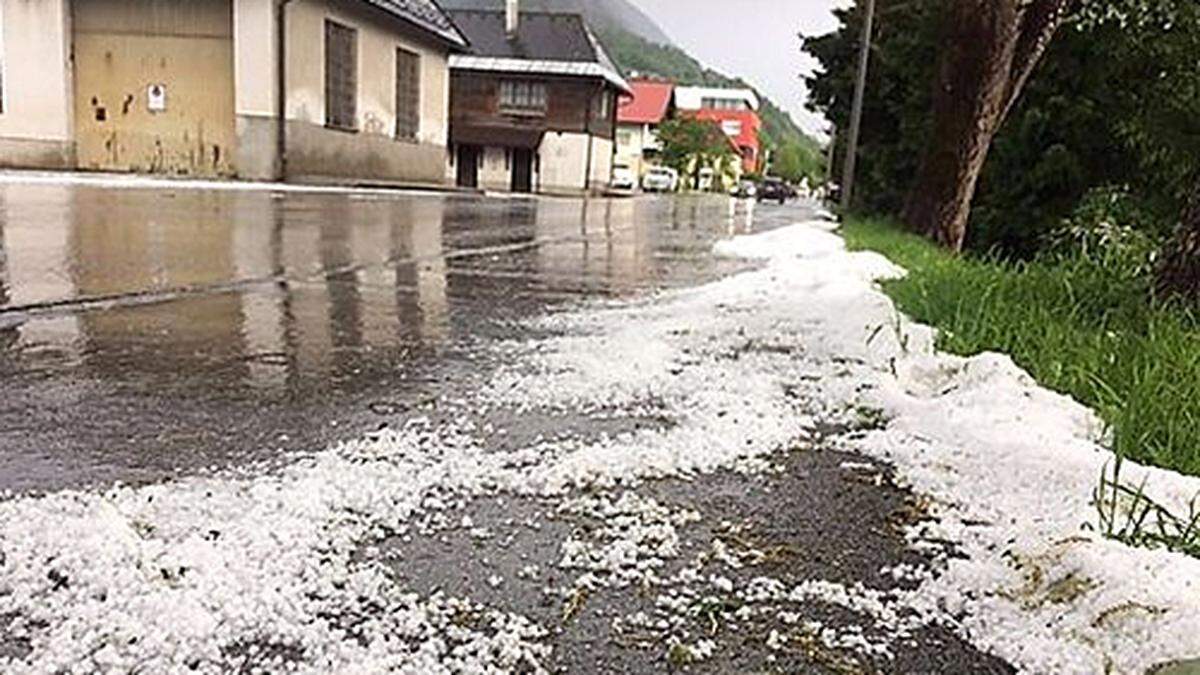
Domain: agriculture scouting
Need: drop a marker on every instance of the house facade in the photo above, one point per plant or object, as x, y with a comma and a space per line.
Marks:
252, 89
533, 105
638, 117
735, 110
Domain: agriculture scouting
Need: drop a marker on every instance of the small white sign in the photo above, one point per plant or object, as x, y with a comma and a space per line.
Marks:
156, 97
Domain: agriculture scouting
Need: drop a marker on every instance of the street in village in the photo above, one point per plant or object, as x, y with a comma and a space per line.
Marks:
477, 337
167, 339
290, 430
141, 325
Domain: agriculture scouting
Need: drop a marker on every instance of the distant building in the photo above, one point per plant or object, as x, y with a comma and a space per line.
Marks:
735, 110
322, 89
638, 119
534, 105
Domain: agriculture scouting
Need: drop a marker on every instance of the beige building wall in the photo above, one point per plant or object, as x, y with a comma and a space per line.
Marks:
372, 151
44, 121
495, 169
631, 147
562, 163
602, 163
35, 57
123, 50
564, 159
633, 140
255, 88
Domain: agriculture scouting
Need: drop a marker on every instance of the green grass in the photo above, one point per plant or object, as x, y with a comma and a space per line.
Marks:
1079, 328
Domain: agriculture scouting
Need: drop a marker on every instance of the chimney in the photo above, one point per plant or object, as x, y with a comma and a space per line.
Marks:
512, 18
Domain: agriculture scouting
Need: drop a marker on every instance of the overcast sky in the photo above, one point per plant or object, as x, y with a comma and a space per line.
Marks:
754, 39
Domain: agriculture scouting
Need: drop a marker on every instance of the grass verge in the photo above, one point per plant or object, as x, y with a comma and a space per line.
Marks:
1077, 327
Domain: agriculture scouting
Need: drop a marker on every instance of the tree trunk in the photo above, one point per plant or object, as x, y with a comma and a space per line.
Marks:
968, 103
1179, 271
992, 47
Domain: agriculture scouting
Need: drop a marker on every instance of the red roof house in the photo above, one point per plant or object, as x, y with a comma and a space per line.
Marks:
742, 127
650, 103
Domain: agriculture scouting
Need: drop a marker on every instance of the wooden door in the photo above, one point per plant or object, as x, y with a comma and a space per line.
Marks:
468, 166
522, 170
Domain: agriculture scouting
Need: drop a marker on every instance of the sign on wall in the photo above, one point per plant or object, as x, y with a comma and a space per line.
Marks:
156, 97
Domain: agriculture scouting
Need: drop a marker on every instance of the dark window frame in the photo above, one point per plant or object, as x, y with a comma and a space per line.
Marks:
408, 94
524, 97
341, 76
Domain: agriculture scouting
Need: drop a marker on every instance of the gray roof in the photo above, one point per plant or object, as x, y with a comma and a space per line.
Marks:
547, 43
540, 35
425, 14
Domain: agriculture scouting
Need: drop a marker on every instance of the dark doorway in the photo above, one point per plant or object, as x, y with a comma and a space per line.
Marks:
522, 170
468, 166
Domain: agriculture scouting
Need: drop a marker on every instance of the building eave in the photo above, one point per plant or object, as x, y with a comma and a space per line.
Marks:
526, 67
451, 37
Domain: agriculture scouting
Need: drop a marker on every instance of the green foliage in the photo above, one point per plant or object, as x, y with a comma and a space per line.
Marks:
689, 145
794, 161
1115, 102
1110, 230
1077, 324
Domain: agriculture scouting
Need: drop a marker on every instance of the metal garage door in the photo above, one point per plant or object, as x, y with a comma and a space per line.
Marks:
154, 88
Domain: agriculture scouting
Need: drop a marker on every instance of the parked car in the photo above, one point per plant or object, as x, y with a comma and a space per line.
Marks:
661, 179
623, 178
745, 190
774, 190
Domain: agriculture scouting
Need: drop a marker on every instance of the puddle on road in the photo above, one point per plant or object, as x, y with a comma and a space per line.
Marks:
145, 333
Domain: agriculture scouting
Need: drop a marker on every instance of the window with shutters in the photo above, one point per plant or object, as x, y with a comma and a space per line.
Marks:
523, 97
408, 94
341, 76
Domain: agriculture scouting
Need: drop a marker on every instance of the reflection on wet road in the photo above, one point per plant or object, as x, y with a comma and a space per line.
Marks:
145, 333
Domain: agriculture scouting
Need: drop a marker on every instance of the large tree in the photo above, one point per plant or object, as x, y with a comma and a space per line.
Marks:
991, 48
1113, 108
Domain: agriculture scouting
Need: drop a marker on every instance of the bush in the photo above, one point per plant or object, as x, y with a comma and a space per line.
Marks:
1110, 230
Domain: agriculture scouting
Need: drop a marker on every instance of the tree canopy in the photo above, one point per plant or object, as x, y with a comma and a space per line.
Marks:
1113, 106
689, 145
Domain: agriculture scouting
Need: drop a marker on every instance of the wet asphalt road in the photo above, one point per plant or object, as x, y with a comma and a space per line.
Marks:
146, 334
149, 333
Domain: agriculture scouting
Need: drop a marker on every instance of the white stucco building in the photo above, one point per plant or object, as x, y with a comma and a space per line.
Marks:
256, 89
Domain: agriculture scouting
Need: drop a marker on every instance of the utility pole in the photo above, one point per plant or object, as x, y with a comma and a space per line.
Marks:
830, 169
860, 91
